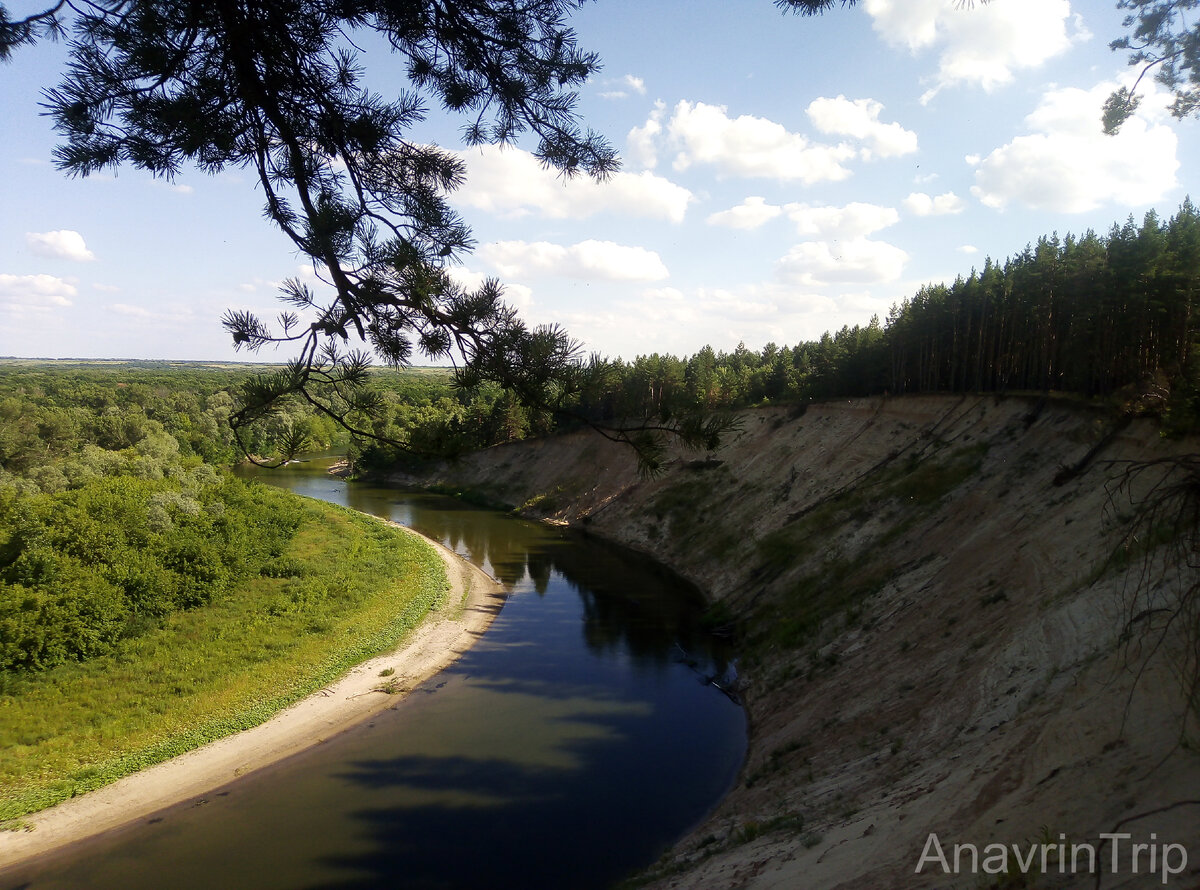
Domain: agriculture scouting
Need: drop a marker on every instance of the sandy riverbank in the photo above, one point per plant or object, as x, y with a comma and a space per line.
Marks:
473, 602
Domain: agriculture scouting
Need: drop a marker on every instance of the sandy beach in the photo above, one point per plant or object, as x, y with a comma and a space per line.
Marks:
473, 602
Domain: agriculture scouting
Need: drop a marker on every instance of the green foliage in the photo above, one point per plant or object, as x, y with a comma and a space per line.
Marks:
110, 518
82, 569
344, 588
835, 587
824, 585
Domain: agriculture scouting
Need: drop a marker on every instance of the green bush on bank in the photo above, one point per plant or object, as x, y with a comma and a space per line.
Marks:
80, 570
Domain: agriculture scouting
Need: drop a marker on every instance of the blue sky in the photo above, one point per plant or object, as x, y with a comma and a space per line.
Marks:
782, 177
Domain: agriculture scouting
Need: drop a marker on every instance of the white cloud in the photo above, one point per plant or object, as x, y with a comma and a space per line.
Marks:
751, 146
968, 249
859, 119
594, 260
857, 261
624, 86
752, 213
855, 220
980, 44
19, 293
62, 244
512, 183
641, 144
911, 23
921, 204
1067, 165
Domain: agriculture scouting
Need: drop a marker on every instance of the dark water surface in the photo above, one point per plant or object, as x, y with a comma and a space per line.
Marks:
570, 746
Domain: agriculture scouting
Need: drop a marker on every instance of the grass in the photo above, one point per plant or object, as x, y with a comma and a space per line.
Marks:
355, 588
833, 584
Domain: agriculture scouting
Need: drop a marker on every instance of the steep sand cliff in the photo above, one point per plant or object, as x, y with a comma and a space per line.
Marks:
932, 623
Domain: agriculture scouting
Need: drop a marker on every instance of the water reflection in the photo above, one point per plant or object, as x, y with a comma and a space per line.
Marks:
628, 602
573, 743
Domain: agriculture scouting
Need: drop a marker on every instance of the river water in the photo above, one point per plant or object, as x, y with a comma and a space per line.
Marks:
571, 745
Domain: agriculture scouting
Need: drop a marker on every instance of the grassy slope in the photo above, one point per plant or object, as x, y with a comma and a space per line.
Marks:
215, 671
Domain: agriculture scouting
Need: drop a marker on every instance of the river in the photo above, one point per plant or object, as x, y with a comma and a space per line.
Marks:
569, 747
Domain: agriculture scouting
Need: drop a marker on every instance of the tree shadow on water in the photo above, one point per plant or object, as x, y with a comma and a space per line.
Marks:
467, 823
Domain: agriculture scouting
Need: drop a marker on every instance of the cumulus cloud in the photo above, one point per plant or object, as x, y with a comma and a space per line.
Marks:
751, 146
921, 204
859, 119
1067, 165
19, 293
968, 249
855, 220
62, 244
700, 134
752, 213
978, 44
512, 183
857, 261
595, 260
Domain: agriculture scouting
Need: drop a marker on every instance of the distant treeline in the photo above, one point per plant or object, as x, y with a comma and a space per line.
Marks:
1089, 315
1086, 315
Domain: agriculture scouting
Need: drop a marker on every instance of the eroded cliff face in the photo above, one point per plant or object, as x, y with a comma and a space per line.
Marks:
932, 619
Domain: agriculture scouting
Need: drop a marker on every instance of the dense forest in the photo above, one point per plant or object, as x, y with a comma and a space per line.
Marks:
1085, 315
